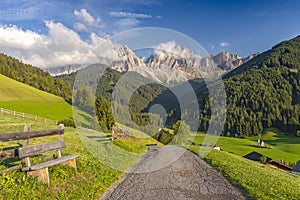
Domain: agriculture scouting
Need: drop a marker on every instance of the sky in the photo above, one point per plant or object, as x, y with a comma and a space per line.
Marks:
58, 32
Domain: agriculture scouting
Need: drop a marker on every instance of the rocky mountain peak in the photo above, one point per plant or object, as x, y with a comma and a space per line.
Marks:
173, 63
127, 60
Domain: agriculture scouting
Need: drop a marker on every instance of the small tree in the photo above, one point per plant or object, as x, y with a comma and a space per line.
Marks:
263, 159
104, 114
181, 133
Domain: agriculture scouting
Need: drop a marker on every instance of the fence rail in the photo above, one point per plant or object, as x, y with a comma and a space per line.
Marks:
27, 116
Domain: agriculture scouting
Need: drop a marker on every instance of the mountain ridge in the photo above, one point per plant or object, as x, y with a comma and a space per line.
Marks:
161, 65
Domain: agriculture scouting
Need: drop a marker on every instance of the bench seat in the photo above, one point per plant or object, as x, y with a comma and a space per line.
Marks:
50, 163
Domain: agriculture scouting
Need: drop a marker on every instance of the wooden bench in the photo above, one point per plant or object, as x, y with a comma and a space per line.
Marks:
26, 151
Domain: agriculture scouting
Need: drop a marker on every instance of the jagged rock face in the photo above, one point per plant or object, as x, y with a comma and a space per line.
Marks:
227, 62
178, 68
127, 60
180, 64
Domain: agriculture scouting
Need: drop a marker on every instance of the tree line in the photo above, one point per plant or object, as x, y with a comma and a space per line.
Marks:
34, 76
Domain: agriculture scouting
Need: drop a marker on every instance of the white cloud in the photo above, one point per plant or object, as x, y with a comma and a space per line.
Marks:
127, 23
80, 27
84, 16
61, 46
128, 15
224, 44
163, 49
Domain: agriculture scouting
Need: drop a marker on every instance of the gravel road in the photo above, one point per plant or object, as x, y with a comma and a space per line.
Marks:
185, 177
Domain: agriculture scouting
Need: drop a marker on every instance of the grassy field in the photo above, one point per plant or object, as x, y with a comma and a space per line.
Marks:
121, 154
54, 110
26, 99
258, 180
94, 174
286, 147
11, 90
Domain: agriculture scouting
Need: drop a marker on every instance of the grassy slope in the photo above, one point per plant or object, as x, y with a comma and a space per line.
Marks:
93, 176
284, 147
54, 110
121, 154
258, 180
23, 98
11, 90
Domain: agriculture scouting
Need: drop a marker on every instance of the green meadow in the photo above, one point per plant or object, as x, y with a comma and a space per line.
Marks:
259, 181
11, 90
23, 98
281, 146
26, 99
99, 163
54, 110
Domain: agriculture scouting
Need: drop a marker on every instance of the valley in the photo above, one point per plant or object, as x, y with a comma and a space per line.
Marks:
262, 102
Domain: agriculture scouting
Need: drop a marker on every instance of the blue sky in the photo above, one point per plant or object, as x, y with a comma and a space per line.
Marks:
240, 27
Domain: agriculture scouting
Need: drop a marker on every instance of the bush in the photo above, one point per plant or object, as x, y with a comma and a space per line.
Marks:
164, 136
67, 122
298, 133
263, 159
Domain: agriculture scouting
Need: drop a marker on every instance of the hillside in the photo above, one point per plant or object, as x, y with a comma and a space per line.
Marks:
34, 77
259, 181
105, 85
281, 146
262, 93
11, 90
265, 92
24, 98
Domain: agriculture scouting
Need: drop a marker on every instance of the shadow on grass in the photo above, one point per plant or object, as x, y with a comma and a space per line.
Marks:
103, 141
252, 145
86, 117
100, 136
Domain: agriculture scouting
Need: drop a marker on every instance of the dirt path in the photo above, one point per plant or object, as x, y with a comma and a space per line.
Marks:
188, 177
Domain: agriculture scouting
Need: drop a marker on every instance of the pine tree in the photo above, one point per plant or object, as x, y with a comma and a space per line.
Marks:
104, 114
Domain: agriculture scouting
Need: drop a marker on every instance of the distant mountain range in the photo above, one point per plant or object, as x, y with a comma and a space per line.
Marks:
167, 66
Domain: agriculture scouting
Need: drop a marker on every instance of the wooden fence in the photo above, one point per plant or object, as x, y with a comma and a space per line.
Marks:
27, 116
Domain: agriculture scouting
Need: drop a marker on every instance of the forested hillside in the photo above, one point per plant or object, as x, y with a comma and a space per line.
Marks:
262, 93
34, 76
265, 92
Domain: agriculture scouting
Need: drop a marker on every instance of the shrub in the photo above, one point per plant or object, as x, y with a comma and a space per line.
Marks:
67, 122
263, 159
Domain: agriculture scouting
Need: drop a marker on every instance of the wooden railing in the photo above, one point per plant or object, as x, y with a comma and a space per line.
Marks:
27, 116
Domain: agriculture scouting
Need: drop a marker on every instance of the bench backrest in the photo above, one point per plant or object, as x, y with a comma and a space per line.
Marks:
26, 150
35, 150
5, 137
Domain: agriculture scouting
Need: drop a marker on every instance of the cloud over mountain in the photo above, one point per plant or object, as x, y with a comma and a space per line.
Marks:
61, 46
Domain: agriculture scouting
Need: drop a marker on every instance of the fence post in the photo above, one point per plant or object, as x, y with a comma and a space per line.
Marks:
35, 118
61, 126
14, 113
1, 110
45, 120
23, 115
26, 143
